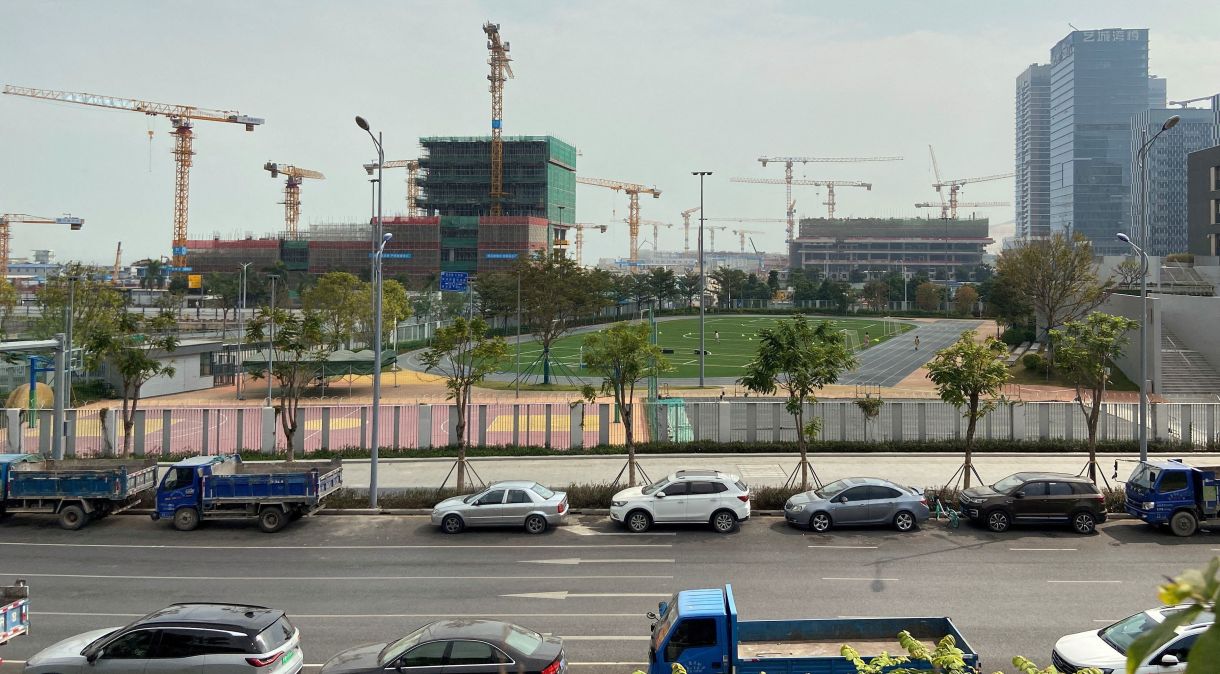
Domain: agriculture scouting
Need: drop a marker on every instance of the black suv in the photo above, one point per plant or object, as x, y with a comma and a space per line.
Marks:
1037, 498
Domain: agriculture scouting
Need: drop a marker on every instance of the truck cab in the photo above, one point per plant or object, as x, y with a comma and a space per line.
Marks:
182, 484
1175, 494
688, 632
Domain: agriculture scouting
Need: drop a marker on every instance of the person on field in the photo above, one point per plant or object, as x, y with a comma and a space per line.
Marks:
916, 342
717, 336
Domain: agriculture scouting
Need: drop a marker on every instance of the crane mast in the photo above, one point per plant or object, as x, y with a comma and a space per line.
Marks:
6, 232
292, 191
633, 192
788, 162
686, 228
501, 72
412, 166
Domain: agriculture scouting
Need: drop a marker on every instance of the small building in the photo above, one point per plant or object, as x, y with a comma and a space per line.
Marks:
192, 361
1203, 201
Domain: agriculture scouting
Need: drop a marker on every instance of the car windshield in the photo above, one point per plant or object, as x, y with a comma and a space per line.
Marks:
471, 498
1121, 634
522, 640
1144, 477
1009, 483
395, 649
542, 491
665, 623
655, 486
833, 489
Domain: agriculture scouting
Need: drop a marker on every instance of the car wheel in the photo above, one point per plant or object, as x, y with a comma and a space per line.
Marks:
904, 521
72, 517
452, 524
998, 521
638, 521
272, 519
1084, 522
820, 522
186, 519
723, 521
1184, 523
535, 524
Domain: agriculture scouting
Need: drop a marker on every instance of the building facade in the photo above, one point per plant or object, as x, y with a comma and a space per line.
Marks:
1099, 80
1203, 201
941, 249
1033, 116
1165, 171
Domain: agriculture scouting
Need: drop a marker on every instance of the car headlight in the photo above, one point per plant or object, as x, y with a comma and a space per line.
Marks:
797, 507
1148, 505
618, 504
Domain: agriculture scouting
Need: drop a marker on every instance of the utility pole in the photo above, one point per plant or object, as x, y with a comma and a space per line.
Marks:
702, 280
241, 330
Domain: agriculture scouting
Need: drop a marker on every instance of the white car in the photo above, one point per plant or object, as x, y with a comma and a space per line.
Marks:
710, 496
194, 638
1106, 648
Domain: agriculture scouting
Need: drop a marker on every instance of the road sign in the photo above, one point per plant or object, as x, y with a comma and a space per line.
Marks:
393, 256
175, 270
455, 281
194, 281
501, 256
180, 250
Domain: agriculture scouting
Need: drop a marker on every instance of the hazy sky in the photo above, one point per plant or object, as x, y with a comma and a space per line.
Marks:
647, 91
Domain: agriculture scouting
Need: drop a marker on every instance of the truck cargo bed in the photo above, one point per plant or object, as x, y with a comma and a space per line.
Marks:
809, 649
111, 479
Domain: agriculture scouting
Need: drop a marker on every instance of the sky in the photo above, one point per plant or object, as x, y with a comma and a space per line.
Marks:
646, 91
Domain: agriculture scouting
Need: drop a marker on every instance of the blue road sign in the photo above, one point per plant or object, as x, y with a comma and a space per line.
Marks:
455, 281
501, 256
180, 250
175, 270
393, 256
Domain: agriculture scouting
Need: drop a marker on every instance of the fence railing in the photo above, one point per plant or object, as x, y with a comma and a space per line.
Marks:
219, 430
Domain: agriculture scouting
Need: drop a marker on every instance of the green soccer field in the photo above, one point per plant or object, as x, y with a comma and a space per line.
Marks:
727, 355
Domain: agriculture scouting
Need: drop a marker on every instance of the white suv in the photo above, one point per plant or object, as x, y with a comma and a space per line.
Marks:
711, 496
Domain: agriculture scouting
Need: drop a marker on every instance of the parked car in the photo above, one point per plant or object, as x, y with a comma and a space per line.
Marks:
1036, 498
710, 496
858, 500
512, 503
467, 646
221, 638
1106, 648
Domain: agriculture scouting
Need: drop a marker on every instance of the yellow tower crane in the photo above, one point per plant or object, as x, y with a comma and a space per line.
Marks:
412, 166
579, 246
830, 186
292, 191
955, 185
633, 192
686, 228
118, 262
182, 117
656, 230
789, 161
6, 233
501, 72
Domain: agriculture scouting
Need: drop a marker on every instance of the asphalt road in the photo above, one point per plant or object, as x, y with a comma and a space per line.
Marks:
348, 580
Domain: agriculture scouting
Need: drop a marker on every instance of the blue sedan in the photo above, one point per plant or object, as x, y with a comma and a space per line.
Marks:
858, 501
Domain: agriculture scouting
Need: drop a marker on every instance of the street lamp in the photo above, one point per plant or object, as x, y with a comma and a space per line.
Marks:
241, 328
1143, 413
1141, 155
382, 238
271, 343
702, 278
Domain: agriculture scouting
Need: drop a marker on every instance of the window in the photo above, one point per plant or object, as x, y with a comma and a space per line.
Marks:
431, 654
1180, 648
1059, 489
280, 632
720, 487
856, 494
205, 364
1034, 489
178, 478
472, 653
879, 493
132, 646
741, 486
518, 496
1084, 488
522, 640
491, 498
1174, 480
542, 491
184, 643
701, 488
691, 633
676, 489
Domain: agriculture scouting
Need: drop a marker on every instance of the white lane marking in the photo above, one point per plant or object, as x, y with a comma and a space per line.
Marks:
862, 578
1042, 549
341, 547
366, 616
586, 530
572, 561
844, 547
295, 578
564, 594
1111, 582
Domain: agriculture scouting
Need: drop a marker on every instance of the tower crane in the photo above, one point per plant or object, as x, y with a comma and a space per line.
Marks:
789, 161
580, 228
182, 117
118, 261
944, 206
412, 166
1183, 104
656, 230
830, 186
292, 191
6, 234
712, 229
501, 72
955, 185
742, 233
633, 192
686, 228
962, 204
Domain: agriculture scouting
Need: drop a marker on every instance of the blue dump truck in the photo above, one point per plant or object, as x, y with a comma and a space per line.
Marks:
14, 612
77, 490
225, 487
1172, 493
699, 629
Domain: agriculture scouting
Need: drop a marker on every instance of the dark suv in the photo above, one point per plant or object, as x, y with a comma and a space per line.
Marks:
1036, 498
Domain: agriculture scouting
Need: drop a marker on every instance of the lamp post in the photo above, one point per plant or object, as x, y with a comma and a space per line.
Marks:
702, 278
382, 239
1143, 413
241, 329
271, 343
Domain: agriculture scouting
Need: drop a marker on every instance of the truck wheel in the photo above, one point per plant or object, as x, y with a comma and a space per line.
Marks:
72, 517
186, 519
272, 519
1084, 522
638, 521
1184, 523
723, 521
998, 521
452, 524
535, 524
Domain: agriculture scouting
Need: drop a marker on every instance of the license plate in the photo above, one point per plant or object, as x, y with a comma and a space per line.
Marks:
289, 656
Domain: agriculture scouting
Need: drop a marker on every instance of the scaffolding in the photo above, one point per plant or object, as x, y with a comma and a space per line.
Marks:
539, 176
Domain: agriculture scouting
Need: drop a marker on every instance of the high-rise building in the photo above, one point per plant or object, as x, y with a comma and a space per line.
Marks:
1099, 79
1165, 171
1033, 115
1203, 199
1158, 92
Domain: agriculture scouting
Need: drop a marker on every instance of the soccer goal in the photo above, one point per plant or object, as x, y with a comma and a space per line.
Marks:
853, 339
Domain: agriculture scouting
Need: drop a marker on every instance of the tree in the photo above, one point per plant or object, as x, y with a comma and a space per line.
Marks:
1128, 273
339, 300
96, 305
965, 300
555, 293
688, 287
970, 374
876, 295
928, 296
729, 284
622, 355
154, 275
8, 301
1058, 276
944, 657
773, 281
300, 346
1083, 352
641, 290
497, 293
837, 293
464, 355
1003, 302
801, 359
663, 285
127, 349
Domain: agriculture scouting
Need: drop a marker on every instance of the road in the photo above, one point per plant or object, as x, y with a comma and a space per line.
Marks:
348, 580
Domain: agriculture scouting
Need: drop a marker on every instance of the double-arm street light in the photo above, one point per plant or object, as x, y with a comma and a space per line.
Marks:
702, 278
382, 239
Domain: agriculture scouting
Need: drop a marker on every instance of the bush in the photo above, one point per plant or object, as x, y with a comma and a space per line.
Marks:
1017, 335
1035, 361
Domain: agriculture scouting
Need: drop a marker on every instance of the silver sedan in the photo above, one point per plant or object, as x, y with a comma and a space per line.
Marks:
858, 501
514, 503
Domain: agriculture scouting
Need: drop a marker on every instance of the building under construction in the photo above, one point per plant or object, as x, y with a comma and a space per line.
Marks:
936, 247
